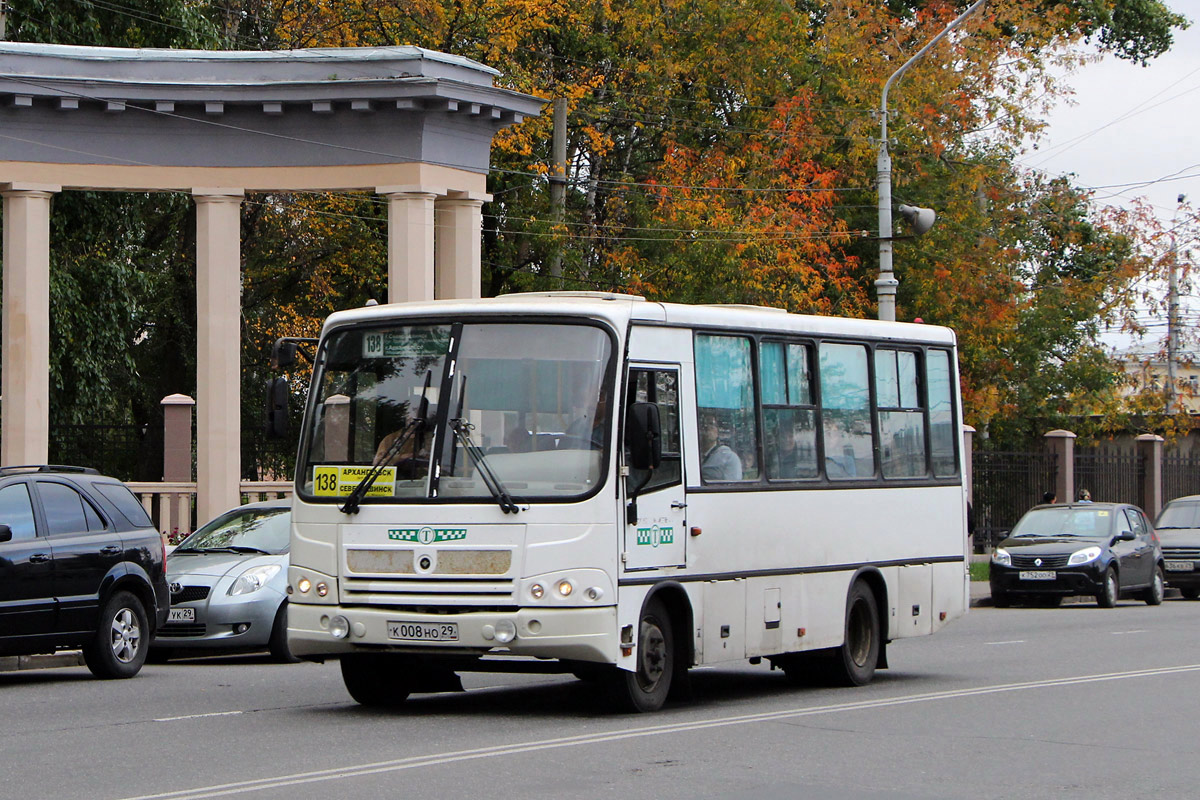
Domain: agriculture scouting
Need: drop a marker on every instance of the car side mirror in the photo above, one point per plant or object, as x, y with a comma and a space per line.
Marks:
5, 533
277, 408
1126, 536
643, 436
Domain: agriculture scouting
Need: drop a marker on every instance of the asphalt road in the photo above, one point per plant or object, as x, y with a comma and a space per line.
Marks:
1015, 703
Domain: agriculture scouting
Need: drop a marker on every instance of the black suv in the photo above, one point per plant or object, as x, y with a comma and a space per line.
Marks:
81, 566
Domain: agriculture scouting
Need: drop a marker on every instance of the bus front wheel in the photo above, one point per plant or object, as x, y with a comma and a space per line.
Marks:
646, 689
372, 680
853, 664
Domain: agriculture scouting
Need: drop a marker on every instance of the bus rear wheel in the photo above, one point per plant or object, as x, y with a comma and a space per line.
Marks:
646, 689
853, 664
374, 679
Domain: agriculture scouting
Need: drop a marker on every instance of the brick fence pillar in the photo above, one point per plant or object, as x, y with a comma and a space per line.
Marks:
1062, 444
177, 438
1150, 448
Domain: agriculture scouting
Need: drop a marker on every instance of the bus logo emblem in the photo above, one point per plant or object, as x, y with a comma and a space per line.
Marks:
427, 535
654, 536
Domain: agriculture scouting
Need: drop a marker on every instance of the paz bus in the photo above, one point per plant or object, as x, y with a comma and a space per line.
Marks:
597, 484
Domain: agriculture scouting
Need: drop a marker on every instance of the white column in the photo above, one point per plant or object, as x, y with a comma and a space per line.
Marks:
218, 351
458, 247
25, 327
410, 244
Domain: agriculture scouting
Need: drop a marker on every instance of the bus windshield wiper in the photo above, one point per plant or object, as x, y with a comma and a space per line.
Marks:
462, 430
354, 499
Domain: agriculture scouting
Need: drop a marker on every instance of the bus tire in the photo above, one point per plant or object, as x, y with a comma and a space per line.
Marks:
374, 680
646, 689
853, 664
278, 643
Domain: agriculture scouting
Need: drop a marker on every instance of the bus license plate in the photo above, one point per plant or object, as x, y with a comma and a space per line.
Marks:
182, 615
1038, 575
1179, 566
423, 631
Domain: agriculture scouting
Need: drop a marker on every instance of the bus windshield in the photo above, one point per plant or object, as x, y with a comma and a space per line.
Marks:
529, 400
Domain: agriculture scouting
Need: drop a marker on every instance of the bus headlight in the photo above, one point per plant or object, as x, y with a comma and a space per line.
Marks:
537, 591
339, 626
506, 631
304, 584
565, 588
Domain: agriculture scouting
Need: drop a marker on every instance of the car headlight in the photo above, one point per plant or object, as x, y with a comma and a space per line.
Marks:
1001, 556
1084, 556
253, 579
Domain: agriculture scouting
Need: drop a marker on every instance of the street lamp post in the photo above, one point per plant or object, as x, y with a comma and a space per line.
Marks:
886, 284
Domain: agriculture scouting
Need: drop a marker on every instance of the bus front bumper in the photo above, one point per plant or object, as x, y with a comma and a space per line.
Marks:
580, 634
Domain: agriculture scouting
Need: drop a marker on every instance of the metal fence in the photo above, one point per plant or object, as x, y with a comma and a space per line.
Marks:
1006, 484
1109, 477
128, 452
1181, 476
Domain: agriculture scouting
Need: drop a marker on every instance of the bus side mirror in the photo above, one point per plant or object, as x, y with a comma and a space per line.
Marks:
277, 408
283, 353
643, 436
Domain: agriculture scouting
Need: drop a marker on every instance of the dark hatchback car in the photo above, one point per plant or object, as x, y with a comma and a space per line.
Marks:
1179, 529
1108, 550
81, 566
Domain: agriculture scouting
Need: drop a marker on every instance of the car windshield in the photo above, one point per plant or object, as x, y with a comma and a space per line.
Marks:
248, 530
1094, 522
529, 401
1179, 515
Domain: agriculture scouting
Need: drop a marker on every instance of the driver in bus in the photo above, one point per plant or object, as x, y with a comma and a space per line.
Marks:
411, 460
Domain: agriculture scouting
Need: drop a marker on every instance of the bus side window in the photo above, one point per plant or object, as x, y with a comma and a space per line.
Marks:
789, 416
901, 418
846, 412
660, 387
725, 409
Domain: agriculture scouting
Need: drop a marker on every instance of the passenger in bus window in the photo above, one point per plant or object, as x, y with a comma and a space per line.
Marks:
718, 462
793, 455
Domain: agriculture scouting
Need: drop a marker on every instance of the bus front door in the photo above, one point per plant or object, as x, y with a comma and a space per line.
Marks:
655, 532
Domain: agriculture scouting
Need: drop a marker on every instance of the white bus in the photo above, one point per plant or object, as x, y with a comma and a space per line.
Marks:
621, 489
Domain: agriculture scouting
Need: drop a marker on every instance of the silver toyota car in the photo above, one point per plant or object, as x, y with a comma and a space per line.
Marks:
228, 583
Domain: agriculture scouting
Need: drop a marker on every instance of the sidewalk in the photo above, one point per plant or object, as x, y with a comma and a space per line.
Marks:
981, 594
66, 658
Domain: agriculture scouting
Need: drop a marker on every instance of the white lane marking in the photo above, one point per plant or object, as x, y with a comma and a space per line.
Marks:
1124, 633
413, 762
1010, 641
198, 716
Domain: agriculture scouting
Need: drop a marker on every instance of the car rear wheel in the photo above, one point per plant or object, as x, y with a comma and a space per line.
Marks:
1110, 590
118, 648
646, 688
1154, 595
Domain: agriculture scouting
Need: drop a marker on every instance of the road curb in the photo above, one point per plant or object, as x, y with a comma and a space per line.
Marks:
69, 658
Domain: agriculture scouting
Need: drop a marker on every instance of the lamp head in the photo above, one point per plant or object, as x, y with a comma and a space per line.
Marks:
920, 219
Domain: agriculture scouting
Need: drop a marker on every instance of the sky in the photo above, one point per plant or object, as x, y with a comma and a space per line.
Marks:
1132, 131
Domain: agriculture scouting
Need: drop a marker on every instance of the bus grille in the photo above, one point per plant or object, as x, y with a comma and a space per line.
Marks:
424, 592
